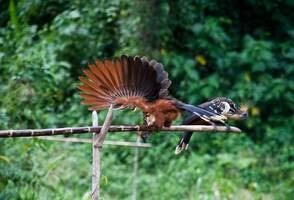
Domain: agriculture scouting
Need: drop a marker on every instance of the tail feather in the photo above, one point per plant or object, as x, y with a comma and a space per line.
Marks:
161, 77
215, 112
184, 142
196, 112
106, 81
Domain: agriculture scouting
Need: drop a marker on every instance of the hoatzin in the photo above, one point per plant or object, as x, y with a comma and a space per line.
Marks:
221, 106
130, 82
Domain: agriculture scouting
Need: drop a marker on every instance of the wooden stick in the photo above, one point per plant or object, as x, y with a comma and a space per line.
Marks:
90, 141
98, 140
117, 128
135, 170
95, 159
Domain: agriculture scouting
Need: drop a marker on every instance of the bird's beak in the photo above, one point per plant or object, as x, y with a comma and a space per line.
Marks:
239, 116
244, 115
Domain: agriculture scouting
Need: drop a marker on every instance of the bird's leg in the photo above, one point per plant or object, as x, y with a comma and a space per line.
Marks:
209, 120
212, 124
228, 126
144, 134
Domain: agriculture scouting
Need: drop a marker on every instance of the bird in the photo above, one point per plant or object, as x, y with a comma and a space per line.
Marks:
129, 82
221, 106
135, 82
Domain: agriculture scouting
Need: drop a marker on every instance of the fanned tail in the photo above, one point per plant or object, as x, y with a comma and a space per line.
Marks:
123, 82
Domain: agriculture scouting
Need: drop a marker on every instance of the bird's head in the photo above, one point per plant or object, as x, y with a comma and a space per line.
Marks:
226, 107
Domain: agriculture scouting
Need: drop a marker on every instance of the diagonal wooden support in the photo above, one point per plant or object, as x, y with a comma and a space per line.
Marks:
105, 126
98, 140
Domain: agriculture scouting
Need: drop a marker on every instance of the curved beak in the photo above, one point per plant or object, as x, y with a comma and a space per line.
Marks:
239, 116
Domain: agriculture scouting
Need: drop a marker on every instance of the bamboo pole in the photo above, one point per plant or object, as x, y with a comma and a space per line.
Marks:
135, 170
98, 140
117, 128
99, 133
90, 141
95, 159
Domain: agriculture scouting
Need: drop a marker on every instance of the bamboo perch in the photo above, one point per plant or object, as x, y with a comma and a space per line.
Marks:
114, 128
135, 171
89, 141
95, 158
98, 140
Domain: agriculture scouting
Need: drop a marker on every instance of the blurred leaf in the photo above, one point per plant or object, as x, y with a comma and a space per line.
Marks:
4, 158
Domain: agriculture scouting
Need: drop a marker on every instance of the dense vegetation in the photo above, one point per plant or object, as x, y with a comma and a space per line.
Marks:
240, 49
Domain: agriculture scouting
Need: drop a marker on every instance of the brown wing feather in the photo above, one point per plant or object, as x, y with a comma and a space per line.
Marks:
107, 82
92, 88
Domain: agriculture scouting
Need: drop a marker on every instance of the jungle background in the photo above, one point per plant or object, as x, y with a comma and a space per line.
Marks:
239, 49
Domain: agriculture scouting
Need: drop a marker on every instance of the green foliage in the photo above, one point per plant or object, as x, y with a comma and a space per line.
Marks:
242, 50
